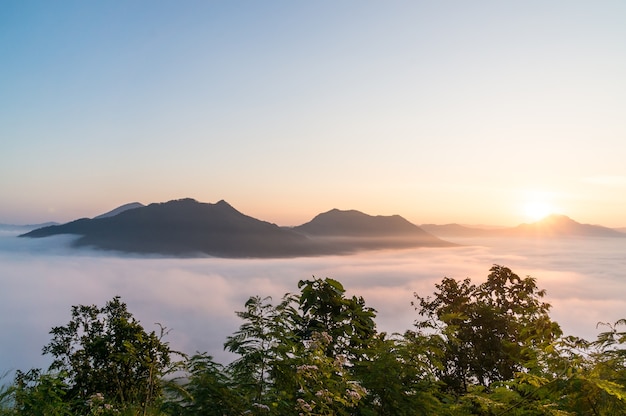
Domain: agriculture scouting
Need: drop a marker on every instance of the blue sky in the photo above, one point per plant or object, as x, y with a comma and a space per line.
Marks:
441, 112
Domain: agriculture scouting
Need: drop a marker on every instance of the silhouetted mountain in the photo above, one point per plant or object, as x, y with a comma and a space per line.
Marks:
366, 231
120, 209
186, 227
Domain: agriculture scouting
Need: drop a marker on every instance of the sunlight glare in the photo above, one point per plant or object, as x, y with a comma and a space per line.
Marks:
537, 210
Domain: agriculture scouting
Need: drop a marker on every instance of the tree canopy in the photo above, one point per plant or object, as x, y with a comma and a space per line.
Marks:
487, 348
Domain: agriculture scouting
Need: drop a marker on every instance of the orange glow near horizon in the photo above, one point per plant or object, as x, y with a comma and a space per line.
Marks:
537, 210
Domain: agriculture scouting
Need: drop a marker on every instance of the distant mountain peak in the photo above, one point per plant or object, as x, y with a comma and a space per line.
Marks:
120, 209
562, 225
223, 204
556, 219
551, 226
552, 220
357, 223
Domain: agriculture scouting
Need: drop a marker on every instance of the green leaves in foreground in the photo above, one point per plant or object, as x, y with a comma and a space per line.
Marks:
485, 349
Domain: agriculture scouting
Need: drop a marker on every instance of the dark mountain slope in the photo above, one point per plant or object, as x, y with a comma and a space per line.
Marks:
356, 228
186, 227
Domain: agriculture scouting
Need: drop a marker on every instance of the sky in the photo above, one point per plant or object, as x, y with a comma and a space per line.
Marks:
483, 112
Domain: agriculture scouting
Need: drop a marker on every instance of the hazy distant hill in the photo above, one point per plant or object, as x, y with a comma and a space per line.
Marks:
561, 225
456, 230
362, 230
25, 227
553, 226
187, 227
121, 209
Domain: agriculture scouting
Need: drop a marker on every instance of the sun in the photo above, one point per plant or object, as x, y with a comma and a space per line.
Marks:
537, 210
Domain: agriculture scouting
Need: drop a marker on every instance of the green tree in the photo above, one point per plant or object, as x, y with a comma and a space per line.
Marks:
263, 340
397, 377
323, 386
596, 384
106, 353
38, 394
275, 344
324, 308
487, 332
207, 390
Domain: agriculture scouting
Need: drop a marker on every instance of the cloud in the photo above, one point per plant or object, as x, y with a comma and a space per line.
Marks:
197, 298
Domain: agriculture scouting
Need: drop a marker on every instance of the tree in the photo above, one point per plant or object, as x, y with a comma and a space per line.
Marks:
324, 308
487, 332
207, 390
397, 377
106, 353
323, 386
37, 394
263, 340
597, 384
277, 344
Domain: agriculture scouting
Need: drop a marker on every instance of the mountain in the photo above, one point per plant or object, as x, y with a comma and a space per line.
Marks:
563, 226
553, 226
185, 228
456, 230
188, 228
361, 230
120, 209
25, 227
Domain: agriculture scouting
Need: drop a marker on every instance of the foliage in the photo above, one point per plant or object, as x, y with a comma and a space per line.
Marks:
40, 394
106, 352
487, 349
396, 377
276, 343
324, 387
597, 385
260, 342
324, 308
207, 390
487, 332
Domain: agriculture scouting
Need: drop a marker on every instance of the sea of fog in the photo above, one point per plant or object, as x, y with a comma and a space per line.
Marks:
196, 298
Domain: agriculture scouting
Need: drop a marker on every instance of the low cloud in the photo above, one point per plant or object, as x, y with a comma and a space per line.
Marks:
197, 298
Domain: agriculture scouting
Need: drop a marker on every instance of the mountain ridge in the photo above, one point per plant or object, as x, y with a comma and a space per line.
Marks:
551, 226
186, 227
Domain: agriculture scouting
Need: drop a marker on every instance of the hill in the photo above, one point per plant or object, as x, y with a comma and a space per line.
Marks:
367, 231
24, 227
553, 226
187, 227
182, 228
456, 230
562, 226
121, 209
